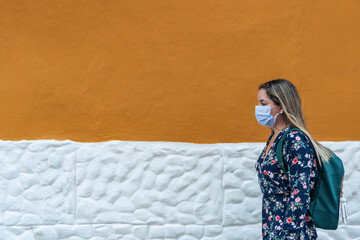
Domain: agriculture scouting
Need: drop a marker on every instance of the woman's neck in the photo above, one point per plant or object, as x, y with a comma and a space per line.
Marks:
279, 126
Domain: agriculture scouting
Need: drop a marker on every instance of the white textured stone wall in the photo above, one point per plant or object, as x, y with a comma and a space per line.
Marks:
143, 190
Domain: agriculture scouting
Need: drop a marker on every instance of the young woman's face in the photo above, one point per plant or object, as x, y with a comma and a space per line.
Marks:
264, 100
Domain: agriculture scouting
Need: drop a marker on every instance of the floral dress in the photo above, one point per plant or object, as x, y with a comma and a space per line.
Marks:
286, 202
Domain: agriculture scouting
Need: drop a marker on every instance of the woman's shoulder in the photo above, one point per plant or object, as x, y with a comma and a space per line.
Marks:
298, 145
296, 136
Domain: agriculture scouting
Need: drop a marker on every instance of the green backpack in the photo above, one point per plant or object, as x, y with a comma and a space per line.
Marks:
325, 198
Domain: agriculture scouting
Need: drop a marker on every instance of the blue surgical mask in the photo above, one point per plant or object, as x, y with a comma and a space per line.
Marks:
263, 116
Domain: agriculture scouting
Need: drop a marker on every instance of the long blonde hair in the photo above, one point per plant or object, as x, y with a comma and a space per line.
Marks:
285, 94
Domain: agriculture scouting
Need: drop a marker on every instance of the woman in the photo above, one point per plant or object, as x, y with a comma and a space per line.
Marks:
286, 199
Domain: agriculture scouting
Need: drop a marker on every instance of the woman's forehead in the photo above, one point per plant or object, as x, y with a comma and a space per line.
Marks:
261, 95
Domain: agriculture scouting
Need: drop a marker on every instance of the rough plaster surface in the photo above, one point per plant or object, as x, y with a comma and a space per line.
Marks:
143, 190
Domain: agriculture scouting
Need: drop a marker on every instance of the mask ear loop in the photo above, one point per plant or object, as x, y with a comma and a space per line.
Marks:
278, 112
277, 115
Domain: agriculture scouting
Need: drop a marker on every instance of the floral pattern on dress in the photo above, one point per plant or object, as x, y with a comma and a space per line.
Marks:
286, 201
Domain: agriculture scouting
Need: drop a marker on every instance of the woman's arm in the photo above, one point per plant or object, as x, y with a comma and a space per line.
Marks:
299, 157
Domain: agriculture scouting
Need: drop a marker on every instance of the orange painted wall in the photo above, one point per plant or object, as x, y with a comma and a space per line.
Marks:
174, 70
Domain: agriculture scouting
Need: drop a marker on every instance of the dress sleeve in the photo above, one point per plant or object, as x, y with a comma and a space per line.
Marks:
299, 157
